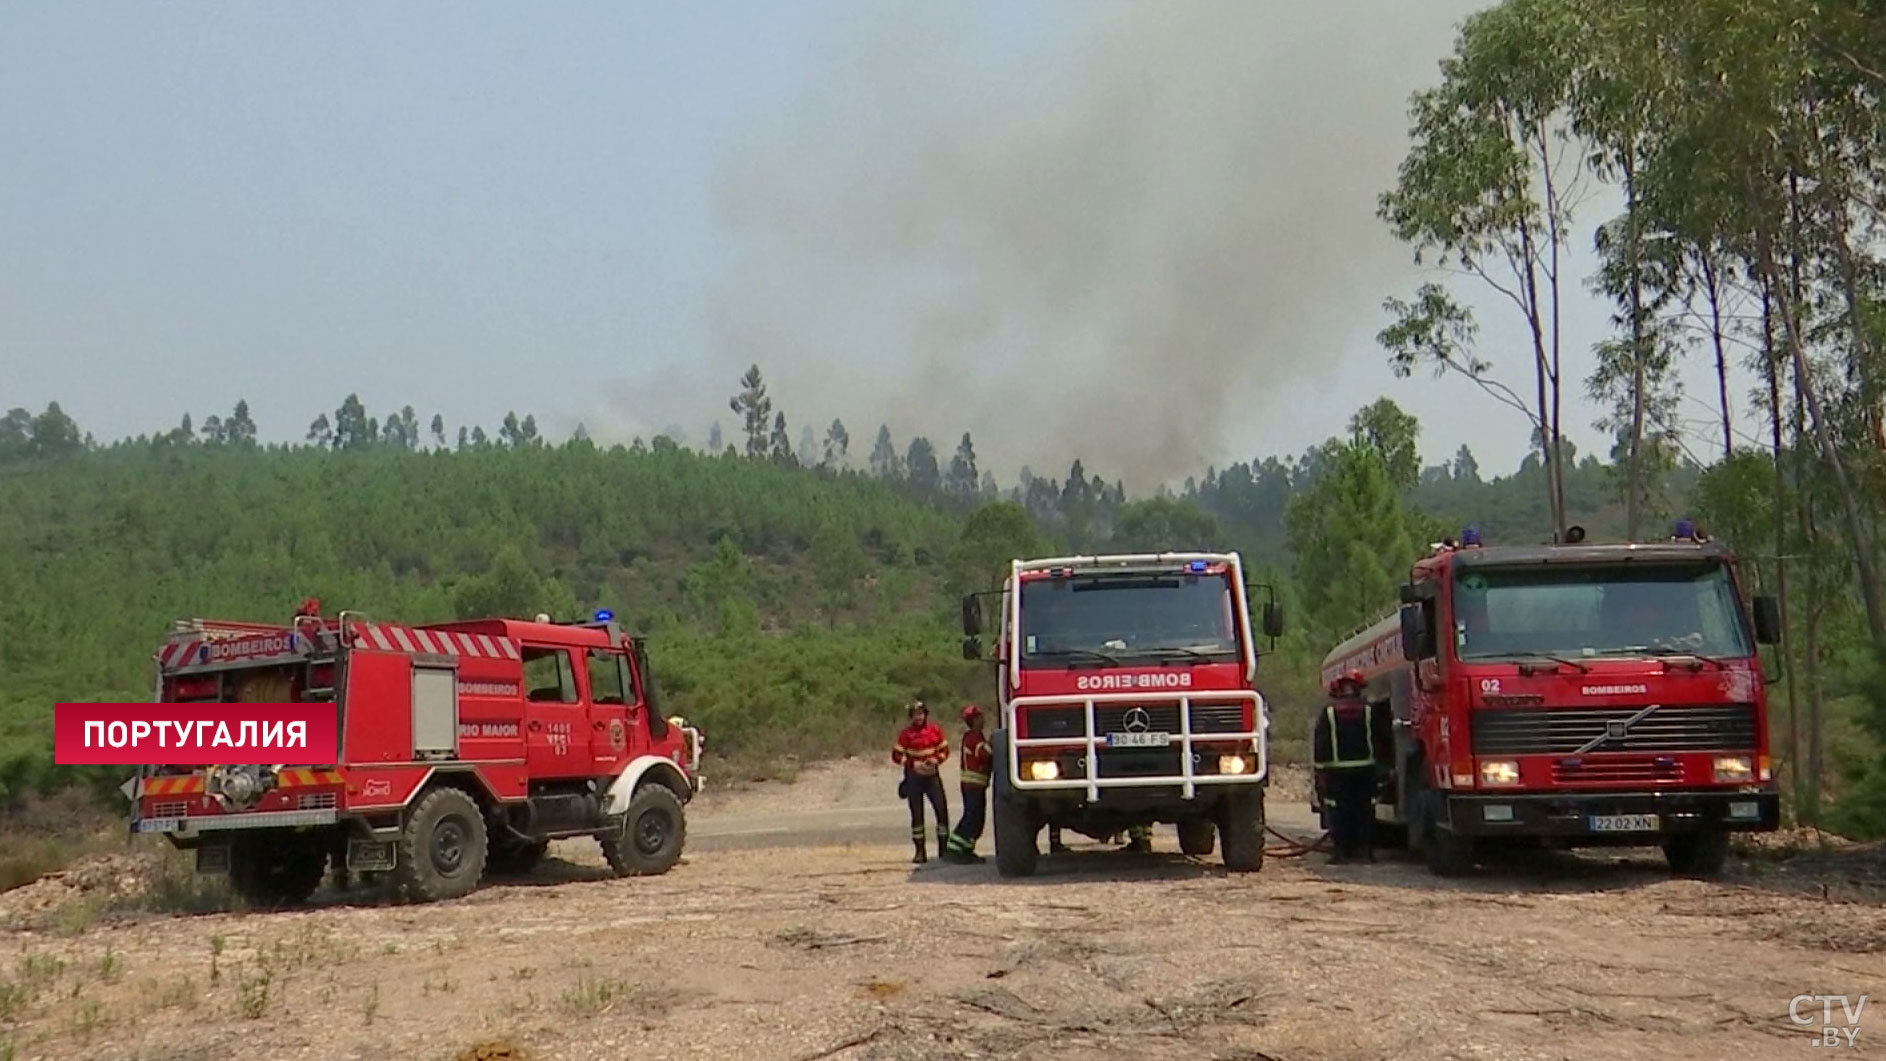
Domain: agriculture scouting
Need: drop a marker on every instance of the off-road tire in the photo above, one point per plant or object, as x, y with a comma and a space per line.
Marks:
1017, 850
653, 831
1698, 854
1198, 836
516, 857
270, 870
442, 853
1241, 830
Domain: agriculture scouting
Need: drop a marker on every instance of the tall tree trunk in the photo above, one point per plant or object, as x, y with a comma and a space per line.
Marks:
1713, 284
1632, 508
1810, 544
1557, 373
1773, 363
1548, 430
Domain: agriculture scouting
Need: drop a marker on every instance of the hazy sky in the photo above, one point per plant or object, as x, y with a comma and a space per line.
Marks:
1141, 233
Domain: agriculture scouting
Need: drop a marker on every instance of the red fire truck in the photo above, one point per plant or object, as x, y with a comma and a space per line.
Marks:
1127, 697
1572, 694
464, 746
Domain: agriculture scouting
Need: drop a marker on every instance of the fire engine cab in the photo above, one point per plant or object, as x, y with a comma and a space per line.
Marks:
464, 747
1128, 696
1572, 694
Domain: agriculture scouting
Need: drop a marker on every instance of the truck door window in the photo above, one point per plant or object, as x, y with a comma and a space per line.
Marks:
606, 678
549, 675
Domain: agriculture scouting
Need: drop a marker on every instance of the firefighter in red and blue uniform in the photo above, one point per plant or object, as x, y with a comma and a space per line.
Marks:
1346, 740
974, 765
922, 749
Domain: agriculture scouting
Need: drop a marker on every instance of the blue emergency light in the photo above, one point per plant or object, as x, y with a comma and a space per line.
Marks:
1470, 536
1685, 529
1196, 565
603, 615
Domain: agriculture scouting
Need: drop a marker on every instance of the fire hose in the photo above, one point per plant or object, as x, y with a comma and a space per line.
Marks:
1292, 847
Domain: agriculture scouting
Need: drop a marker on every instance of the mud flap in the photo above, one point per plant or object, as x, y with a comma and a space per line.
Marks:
370, 856
212, 857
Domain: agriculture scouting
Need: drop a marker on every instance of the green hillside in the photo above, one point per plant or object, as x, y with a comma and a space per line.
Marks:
792, 608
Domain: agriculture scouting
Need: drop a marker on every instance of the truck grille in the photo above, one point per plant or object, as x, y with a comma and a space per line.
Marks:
1111, 718
1635, 768
1563, 730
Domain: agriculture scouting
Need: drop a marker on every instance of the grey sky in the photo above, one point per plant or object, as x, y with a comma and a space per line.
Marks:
603, 212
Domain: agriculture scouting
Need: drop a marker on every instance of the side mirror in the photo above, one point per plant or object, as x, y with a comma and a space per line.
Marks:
972, 615
650, 695
1273, 620
972, 647
1767, 620
1416, 636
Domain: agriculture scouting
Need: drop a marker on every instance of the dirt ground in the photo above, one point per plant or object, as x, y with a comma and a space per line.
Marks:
849, 952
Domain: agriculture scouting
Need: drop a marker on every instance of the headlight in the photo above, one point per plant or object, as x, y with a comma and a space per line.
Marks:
1734, 768
1234, 764
1041, 770
1499, 772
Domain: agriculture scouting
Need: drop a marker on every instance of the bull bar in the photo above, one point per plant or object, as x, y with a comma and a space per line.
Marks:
1185, 738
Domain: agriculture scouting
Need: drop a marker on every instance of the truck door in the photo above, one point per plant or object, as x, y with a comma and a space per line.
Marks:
555, 716
611, 736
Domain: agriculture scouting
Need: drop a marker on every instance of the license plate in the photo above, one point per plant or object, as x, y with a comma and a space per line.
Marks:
1624, 823
159, 825
1138, 740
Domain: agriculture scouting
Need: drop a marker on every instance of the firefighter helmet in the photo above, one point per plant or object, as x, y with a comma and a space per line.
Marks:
1351, 678
971, 711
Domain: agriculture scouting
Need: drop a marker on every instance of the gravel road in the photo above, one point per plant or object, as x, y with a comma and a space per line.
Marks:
808, 947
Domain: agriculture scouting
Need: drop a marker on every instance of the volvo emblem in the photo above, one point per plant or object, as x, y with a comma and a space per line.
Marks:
1137, 720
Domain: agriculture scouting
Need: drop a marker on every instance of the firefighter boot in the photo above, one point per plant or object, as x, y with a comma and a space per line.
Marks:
916, 840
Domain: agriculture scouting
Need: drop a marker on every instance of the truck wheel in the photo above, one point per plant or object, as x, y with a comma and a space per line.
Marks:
1241, 827
1016, 832
1448, 853
516, 858
272, 871
1699, 854
1197, 837
653, 830
443, 850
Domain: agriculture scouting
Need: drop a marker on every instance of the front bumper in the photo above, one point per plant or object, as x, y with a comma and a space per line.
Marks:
1612, 817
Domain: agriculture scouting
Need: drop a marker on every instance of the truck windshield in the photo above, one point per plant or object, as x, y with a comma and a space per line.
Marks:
1597, 610
1117, 619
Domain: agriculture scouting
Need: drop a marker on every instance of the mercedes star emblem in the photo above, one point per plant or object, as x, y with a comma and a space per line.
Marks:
1137, 720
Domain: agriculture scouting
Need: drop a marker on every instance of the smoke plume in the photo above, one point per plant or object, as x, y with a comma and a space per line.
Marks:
1137, 233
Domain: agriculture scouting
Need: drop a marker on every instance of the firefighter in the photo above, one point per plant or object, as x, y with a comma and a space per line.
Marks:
921, 749
1345, 740
975, 786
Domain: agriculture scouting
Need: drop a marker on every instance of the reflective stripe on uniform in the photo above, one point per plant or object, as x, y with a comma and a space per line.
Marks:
975, 779
1335, 740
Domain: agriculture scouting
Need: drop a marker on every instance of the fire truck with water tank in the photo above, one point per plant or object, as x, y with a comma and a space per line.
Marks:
464, 746
1128, 696
1572, 694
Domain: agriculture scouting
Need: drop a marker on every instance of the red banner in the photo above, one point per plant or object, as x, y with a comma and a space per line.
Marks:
154, 734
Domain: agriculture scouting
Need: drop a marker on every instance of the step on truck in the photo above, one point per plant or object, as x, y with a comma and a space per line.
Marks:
465, 747
1572, 694
1127, 697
